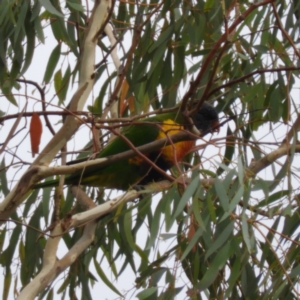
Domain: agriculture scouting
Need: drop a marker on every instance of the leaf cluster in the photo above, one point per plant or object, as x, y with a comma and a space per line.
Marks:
229, 230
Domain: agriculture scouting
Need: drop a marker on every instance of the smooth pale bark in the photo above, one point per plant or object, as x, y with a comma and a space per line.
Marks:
52, 266
71, 124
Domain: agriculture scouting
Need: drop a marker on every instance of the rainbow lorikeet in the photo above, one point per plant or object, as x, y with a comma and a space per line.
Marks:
135, 171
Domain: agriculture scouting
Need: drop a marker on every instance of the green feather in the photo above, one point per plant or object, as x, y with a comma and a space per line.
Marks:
129, 172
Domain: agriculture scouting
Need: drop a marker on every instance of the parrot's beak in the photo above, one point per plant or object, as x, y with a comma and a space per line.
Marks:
215, 126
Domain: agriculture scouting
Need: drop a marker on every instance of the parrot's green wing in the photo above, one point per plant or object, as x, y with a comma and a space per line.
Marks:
128, 172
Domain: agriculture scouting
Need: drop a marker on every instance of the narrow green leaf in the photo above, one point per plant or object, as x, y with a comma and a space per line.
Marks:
7, 283
295, 272
222, 194
30, 47
127, 228
6, 91
156, 61
196, 212
233, 203
211, 207
30, 200
214, 267
146, 293
162, 38
209, 5
105, 279
39, 30
57, 81
171, 293
188, 193
62, 85
46, 198
75, 6
273, 198
21, 251
229, 151
3, 179
13, 245
2, 239
234, 275
179, 64
291, 223
192, 242
64, 285
166, 236
53, 60
261, 48
279, 288
156, 276
242, 56
197, 267
245, 231
221, 240
241, 170
50, 295
32, 247
18, 32
154, 225
49, 7
227, 181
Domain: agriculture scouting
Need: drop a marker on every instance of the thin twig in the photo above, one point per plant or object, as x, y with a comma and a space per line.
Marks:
286, 35
242, 79
194, 84
42, 93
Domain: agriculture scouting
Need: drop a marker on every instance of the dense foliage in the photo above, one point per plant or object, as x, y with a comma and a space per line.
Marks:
230, 229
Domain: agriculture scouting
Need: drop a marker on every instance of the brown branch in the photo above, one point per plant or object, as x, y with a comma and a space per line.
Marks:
42, 93
13, 129
135, 40
293, 130
210, 81
144, 157
71, 124
21, 223
43, 113
259, 71
256, 166
277, 258
87, 114
82, 198
103, 60
286, 35
283, 236
52, 266
263, 212
40, 172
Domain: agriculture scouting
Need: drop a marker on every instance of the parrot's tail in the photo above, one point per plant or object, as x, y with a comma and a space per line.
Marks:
49, 183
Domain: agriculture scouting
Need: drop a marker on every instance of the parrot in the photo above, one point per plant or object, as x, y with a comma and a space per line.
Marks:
135, 171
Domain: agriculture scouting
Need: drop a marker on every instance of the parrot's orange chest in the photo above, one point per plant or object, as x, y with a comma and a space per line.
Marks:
177, 151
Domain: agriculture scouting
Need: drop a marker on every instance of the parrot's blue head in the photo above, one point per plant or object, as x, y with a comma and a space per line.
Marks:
206, 119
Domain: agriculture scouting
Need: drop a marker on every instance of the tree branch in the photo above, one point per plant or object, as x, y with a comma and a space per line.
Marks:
285, 34
42, 93
242, 79
86, 83
194, 85
52, 267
